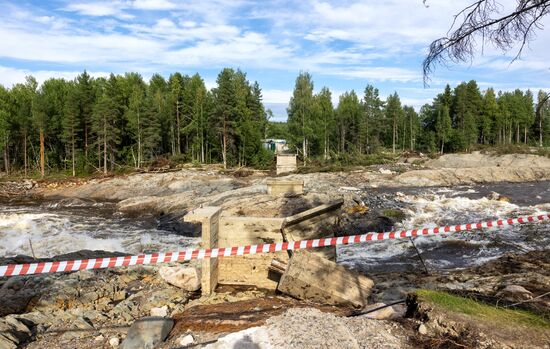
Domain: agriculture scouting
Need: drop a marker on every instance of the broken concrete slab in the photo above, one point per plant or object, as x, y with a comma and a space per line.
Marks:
184, 277
311, 277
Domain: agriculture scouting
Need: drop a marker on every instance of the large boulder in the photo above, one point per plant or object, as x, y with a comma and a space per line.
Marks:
187, 278
147, 332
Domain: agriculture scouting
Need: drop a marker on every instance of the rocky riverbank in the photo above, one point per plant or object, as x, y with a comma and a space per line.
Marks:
93, 309
108, 308
179, 191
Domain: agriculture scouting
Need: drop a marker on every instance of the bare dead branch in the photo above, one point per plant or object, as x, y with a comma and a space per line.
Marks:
483, 20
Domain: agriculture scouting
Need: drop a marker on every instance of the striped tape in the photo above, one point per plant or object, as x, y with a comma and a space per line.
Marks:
155, 258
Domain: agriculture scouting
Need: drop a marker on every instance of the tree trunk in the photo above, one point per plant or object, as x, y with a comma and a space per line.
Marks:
367, 134
224, 145
326, 141
6, 159
411, 133
540, 131
104, 145
72, 151
178, 134
42, 152
304, 150
86, 141
394, 133
139, 154
25, 151
99, 153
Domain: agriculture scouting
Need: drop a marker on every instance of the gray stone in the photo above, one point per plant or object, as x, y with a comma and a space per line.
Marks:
515, 293
147, 332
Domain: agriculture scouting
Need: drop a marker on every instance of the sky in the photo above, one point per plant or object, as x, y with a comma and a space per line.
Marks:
344, 45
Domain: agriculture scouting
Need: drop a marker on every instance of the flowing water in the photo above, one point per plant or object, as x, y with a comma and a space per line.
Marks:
432, 207
54, 228
64, 226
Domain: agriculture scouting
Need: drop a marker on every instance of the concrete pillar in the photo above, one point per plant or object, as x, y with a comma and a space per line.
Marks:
209, 217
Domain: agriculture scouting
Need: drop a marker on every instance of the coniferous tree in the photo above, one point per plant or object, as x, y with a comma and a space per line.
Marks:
86, 98
489, 114
225, 107
348, 117
323, 101
72, 122
443, 126
373, 106
5, 127
301, 114
394, 112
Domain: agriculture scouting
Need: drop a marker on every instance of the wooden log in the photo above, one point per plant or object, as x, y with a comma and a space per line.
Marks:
310, 277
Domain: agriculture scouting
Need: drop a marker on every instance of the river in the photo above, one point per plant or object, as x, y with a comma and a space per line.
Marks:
58, 227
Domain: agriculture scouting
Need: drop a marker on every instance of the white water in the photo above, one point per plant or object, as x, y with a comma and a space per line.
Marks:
438, 207
54, 231
64, 227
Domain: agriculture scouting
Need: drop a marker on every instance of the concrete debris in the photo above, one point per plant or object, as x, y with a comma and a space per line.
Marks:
147, 332
160, 311
311, 277
185, 340
187, 278
422, 329
114, 342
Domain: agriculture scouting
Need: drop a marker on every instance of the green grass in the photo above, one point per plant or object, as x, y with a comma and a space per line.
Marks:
483, 311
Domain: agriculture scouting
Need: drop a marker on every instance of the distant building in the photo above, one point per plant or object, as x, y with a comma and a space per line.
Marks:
277, 146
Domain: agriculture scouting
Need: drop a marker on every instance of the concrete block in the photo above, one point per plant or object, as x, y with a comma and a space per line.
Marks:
209, 217
286, 163
281, 187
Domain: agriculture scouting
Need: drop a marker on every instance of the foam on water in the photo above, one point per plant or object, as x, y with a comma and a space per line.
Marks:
63, 231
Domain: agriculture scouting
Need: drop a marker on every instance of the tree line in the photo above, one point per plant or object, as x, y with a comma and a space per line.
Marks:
91, 124
458, 119
100, 124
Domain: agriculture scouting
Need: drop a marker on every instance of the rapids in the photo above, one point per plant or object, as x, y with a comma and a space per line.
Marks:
62, 226
432, 207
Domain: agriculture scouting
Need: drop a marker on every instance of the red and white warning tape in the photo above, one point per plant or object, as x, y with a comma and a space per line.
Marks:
155, 258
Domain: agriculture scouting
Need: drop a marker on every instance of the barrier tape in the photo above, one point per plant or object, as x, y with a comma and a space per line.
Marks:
155, 258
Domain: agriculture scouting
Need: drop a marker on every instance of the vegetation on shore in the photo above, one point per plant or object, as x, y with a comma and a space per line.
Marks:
482, 311
120, 123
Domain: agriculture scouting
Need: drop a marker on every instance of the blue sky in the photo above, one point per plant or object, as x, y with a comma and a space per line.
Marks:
344, 44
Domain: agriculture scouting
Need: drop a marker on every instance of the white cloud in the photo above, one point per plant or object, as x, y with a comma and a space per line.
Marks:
11, 76
153, 5
117, 8
376, 73
274, 96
